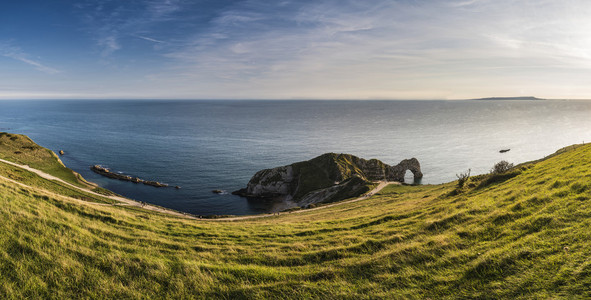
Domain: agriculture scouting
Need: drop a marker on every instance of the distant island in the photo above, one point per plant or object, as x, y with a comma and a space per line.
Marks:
510, 98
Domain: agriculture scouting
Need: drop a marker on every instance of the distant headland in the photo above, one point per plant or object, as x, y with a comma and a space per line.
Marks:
510, 98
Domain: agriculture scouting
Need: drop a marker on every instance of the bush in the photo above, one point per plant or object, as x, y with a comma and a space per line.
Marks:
497, 178
462, 178
501, 167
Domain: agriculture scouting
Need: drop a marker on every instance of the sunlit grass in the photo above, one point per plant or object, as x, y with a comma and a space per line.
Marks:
22, 150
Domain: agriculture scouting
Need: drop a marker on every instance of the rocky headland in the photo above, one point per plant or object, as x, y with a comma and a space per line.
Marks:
327, 178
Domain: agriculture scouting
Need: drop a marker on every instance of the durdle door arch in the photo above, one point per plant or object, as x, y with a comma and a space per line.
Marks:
396, 173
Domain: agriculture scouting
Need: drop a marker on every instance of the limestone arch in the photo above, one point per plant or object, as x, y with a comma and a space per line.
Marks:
412, 165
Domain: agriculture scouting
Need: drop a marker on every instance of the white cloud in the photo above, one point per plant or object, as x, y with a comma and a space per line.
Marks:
149, 39
339, 48
10, 51
162, 9
111, 22
352, 49
109, 44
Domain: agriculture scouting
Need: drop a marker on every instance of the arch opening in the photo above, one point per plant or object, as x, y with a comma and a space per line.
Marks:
411, 177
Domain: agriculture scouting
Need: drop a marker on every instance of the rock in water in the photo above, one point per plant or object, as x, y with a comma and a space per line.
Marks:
61, 152
107, 173
326, 178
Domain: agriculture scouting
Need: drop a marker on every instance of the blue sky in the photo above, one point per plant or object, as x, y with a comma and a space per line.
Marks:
320, 49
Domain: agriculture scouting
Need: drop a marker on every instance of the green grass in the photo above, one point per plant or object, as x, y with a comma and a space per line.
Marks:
22, 150
520, 236
33, 180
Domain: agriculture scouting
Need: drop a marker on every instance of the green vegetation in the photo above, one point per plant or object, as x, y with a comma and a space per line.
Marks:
462, 178
22, 150
327, 178
33, 180
501, 167
520, 234
323, 171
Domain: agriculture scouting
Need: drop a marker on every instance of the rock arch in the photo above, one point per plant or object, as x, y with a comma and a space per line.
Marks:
396, 173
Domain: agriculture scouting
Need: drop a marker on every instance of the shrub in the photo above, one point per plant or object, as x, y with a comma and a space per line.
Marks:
462, 178
501, 167
497, 178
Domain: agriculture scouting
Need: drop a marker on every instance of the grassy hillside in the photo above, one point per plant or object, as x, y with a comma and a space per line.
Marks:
22, 150
522, 235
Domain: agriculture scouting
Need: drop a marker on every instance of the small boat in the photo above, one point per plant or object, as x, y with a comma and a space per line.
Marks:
504, 150
217, 191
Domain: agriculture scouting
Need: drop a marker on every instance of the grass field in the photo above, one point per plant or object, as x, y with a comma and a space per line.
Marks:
523, 234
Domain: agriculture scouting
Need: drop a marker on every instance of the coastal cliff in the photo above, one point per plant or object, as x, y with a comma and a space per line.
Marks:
327, 178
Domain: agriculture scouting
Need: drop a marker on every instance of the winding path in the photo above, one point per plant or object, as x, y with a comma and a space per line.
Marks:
129, 202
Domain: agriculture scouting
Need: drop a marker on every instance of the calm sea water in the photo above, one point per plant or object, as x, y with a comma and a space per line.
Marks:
206, 145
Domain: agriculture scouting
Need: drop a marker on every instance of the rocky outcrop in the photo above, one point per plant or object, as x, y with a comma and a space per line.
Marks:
107, 173
270, 183
327, 178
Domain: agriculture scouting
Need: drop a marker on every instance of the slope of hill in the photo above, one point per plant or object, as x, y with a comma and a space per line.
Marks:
21, 149
522, 234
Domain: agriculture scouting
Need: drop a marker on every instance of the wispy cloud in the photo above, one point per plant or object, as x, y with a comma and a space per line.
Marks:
315, 48
160, 10
150, 39
110, 22
331, 48
11, 51
109, 44
379, 48
465, 3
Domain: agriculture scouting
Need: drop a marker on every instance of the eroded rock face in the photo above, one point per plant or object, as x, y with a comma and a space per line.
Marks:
271, 182
326, 178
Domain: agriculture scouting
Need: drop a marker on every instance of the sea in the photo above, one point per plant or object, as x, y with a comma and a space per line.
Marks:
206, 145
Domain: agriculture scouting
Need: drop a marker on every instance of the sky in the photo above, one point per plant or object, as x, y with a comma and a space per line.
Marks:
302, 49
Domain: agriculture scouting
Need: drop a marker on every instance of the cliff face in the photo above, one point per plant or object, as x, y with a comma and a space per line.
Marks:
326, 178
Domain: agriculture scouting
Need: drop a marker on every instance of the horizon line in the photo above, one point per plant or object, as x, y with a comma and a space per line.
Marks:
288, 99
